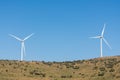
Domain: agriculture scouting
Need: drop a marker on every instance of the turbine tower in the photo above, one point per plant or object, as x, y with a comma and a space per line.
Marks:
101, 37
22, 44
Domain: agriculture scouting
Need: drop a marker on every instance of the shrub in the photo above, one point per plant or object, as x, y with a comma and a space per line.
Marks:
66, 76
109, 65
95, 68
35, 72
6, 70
112, 70
75, 67
63, 76
102, 69
100, 73
118, 76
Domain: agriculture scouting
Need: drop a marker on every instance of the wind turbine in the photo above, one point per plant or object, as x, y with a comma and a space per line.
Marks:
22, 44
101, 37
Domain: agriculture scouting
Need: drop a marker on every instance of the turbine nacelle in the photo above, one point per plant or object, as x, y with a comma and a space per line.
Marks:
101, 37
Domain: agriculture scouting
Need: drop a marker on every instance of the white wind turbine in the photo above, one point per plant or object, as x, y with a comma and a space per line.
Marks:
101, 37
22, 44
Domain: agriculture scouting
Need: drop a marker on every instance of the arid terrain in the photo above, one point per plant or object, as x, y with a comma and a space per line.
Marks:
106, 68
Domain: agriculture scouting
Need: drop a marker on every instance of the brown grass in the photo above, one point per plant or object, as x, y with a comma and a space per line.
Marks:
106, 68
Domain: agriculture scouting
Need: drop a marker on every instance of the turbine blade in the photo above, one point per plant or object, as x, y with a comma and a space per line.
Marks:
28, 36
103, 30
107, 43
95, 37
15, 37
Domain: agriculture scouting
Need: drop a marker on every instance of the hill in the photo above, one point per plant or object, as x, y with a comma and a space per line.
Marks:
107, 68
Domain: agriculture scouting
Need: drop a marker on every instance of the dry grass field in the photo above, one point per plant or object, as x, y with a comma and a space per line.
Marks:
106, 68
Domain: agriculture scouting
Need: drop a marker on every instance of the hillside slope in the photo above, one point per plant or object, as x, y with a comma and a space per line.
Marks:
107, 68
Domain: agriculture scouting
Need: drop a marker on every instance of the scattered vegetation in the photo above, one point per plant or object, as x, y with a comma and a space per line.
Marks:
107, 68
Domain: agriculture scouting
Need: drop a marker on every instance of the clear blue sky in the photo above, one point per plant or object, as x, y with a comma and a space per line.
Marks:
62, 28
